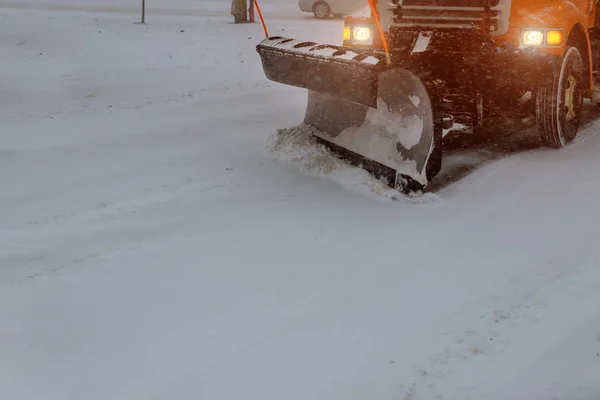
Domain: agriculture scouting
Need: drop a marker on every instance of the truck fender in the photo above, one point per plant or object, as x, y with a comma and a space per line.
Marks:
567, 15
564, 14
578, 31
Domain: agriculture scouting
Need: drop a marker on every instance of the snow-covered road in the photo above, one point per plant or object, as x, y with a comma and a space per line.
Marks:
153, 247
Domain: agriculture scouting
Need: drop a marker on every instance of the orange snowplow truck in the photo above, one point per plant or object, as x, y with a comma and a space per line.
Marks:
409, 71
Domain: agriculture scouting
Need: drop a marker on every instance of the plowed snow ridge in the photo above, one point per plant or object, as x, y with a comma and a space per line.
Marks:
296, 145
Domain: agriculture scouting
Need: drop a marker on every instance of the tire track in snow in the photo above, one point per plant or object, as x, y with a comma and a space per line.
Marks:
527, 302
116, 226
119, 223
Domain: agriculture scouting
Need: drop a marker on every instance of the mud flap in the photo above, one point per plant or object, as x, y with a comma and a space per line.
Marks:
400, 133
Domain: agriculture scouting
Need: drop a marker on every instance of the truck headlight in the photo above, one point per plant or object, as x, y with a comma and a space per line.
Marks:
357, 34
555, 37
532, 37
362, 34
347, 33
546, 37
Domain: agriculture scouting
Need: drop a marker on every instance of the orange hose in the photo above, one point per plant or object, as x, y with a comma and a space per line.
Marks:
383, 39
262, 21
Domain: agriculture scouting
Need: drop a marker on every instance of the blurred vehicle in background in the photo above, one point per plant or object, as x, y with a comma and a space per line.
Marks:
326, 8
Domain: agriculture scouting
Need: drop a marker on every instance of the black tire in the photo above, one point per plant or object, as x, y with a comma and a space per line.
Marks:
557, 121
321, 10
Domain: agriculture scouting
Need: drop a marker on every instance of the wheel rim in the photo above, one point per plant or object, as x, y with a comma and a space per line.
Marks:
570, 101
321, 11
571, 109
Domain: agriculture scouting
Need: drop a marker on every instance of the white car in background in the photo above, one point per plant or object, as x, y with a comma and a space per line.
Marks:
325, 8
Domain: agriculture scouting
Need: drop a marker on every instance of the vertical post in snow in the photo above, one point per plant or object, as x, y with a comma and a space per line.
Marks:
240, 11
251, 11
143, 11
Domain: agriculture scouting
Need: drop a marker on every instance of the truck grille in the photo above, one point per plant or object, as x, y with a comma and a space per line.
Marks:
446, 14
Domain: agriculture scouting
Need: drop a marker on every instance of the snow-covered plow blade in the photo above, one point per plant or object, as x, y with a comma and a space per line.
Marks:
358, 103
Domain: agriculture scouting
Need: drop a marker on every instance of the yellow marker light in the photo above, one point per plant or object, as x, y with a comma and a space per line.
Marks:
347, 33
533, 38
362, 33
554, 37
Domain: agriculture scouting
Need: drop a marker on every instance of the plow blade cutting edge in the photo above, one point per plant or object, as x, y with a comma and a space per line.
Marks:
359, 104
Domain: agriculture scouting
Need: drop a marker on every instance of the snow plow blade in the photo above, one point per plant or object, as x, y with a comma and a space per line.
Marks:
379, 114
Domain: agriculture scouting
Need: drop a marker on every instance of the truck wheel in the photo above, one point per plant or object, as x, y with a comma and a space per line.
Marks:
559, 103
321, 10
